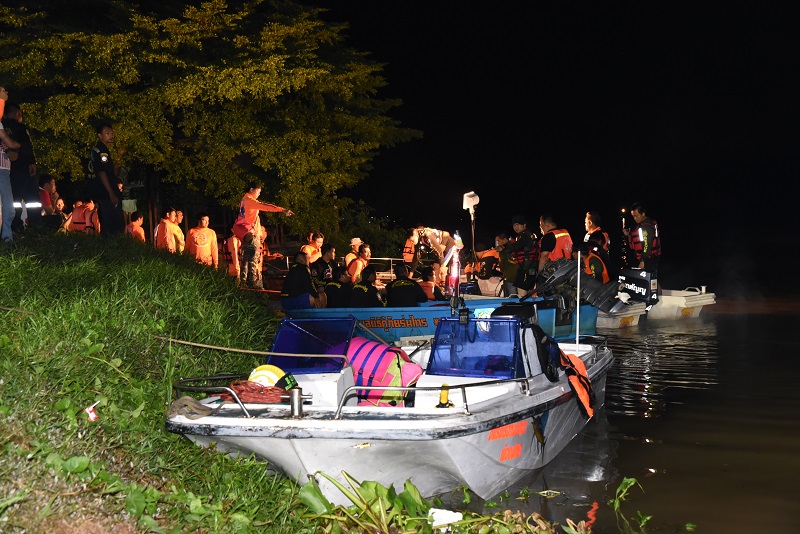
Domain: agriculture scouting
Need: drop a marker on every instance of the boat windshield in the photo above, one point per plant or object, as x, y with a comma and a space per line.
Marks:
312, 336
485, 348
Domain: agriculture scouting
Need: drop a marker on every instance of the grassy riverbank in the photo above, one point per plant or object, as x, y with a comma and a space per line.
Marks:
87, 321
82, 322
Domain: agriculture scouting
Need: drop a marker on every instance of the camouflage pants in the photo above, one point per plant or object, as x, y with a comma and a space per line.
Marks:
251, 262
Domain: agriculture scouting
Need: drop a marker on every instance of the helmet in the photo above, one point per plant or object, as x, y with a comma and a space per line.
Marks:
270, 375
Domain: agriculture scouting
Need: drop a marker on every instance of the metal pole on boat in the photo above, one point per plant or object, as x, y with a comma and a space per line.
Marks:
578, 300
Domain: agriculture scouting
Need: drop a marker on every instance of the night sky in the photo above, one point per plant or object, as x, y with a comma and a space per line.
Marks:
566, 108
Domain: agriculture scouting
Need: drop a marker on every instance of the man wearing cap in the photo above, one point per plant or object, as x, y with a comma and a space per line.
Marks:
525, 253
353, 254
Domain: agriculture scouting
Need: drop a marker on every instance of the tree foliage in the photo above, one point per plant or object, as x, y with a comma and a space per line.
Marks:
210, 94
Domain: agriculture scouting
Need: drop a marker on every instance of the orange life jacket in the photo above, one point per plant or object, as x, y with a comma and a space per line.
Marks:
408, 251
588, 268
636, 239
579, 381
530, 254
78, 221
563, 247
427, 287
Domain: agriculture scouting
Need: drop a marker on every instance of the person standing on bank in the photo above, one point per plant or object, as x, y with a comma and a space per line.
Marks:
643, 239
24, 182
104, 186
247, 228
201, 242
6, 195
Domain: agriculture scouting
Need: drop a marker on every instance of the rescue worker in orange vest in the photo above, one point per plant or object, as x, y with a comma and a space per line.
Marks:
431, 289
353, 254
313, 248
643, 240
75, 222
592, 224
555, 242
411, 251
593, 257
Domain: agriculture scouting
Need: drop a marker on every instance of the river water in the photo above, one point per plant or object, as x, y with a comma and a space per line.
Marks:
704, 413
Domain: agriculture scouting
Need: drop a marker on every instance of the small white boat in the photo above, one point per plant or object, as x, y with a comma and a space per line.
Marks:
681, 304
490, 406
642, 298
628, 316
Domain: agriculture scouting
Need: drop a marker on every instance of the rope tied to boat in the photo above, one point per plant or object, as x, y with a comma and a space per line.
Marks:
254, 392
190, 408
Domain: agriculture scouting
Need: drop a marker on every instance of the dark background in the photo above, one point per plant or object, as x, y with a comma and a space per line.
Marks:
574, 107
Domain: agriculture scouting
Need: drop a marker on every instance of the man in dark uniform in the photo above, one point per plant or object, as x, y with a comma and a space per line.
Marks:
322, 268
365, 294
339, 289
24, 183
104, 187
298, 292
402, 291
524, 252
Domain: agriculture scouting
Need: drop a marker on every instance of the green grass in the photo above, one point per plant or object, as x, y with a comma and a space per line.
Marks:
82, 320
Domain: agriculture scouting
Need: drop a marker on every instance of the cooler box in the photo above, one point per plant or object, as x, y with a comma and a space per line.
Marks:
641, 285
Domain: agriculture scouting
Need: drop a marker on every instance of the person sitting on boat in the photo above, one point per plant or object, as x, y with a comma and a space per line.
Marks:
555, 242
353, 254
365, 294
298, 292
313, 248
595, 258
402, 291
339, 288
322, 269
432, 291
360, 263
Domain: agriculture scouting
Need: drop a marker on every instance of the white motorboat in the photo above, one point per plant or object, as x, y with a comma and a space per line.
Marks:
495, 400
628, 316
681, 304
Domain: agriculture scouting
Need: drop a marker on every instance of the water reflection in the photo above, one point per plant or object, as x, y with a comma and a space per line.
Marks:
703, 413
655, 366
656, 359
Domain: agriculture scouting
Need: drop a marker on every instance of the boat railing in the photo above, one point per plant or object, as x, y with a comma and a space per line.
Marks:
463, 387
182, 385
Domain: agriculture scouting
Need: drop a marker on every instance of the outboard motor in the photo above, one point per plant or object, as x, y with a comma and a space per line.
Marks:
562, 275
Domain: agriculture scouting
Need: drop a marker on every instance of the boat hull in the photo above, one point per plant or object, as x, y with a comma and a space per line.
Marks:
629, 317
486, 446
680, 304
